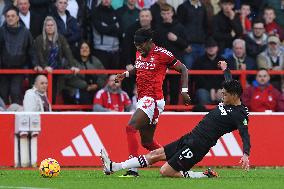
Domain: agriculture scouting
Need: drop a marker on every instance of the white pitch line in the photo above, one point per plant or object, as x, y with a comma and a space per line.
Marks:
15, 187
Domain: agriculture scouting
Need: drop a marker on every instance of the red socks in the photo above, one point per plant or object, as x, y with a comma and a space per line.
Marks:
152, 146
132, 141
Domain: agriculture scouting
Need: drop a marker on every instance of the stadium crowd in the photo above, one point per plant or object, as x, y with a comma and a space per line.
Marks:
46, 35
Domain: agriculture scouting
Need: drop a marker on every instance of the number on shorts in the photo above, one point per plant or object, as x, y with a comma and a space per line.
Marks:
187, 153
147, 103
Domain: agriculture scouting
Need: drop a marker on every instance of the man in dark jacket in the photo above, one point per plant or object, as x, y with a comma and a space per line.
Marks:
208, 86
127, 15
226, 25
16, 50
67, 26
193, 15
171, 35
106, 32
31, 21
256, 40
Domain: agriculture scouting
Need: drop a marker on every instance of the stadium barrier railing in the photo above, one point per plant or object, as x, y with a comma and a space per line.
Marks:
242, 73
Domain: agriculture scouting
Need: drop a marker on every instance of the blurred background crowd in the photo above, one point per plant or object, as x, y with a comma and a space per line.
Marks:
46, 35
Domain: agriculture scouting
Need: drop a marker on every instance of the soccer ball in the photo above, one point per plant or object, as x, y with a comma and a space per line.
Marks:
49, 168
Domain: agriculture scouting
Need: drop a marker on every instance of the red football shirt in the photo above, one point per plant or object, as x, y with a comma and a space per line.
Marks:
151, 71
111, 101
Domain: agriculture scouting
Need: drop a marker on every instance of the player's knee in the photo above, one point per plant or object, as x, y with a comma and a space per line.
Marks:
164, 172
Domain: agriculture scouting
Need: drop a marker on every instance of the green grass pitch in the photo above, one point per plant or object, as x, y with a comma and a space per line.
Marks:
71, 178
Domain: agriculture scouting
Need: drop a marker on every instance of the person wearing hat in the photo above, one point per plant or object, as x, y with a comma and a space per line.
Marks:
208, 86
272, 58
150, 69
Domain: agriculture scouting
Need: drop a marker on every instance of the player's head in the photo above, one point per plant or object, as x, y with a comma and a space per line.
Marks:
143, 40
232, 91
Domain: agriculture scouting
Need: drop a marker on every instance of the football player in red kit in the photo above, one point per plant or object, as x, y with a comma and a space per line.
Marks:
150, 69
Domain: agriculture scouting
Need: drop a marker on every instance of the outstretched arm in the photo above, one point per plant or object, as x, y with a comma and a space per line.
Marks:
120, 77
180, 67
227, 73
246, 147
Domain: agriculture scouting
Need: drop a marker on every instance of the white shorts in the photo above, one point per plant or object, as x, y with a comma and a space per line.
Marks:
151, 108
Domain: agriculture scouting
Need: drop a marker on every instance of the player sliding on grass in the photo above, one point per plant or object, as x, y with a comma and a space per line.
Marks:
150, 68
184, 153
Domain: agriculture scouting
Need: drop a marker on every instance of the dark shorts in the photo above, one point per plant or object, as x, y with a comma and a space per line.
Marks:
184, 153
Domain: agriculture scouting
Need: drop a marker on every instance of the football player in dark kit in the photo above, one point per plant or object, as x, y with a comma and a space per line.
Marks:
184, 153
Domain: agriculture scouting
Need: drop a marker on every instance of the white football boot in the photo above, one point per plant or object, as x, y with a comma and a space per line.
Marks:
107, 163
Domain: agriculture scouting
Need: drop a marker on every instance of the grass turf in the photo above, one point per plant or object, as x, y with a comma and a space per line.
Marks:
229, 178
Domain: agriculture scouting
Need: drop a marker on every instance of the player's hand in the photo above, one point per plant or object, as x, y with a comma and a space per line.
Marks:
186, 98
119, 77
223, 65
245, 162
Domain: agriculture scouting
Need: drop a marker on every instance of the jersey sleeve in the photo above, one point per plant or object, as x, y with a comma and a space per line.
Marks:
242, 124
167, 58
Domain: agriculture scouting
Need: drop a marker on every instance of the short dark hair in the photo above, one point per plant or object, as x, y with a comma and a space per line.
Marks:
233, 87
257, 21
142, 35
227, 1
167, 7
11, 8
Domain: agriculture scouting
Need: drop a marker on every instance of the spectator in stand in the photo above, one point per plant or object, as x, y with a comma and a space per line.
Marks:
192, 14
255, 6
244, 17
208, 87
80, 88
171, 36
16, 52
127, 15
271, 27
156, 12
129, 49
41, 7
278, 7
261, 96
106, 33
77, 9
54, 52
35, 99
67, 25
240, 60
226, 27
272, 59
4, 4
31, 21
87, 32
256, 40
112, 98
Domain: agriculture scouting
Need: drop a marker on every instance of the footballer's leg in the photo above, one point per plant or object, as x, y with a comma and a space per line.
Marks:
135, 162
181, 158
138, 120
147, 137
